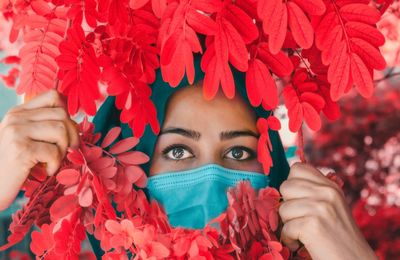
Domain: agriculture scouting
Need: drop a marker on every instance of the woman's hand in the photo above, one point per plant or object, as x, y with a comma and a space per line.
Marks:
37, 131
315, 212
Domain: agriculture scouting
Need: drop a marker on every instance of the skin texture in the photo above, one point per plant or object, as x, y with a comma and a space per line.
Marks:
314, 210
189, 110
39, 130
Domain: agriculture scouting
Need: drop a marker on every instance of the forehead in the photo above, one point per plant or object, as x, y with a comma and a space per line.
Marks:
188, 108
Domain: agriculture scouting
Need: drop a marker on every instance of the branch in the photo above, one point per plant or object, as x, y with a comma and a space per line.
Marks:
390, 74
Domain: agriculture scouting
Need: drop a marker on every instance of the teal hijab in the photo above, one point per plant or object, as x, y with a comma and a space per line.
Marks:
108, 116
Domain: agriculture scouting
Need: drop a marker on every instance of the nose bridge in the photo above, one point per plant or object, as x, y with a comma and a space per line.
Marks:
210, 151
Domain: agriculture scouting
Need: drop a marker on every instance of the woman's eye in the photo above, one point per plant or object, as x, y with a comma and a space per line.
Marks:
240, 153
177, 153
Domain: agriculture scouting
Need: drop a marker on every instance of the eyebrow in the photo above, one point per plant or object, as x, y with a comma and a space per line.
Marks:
181, 131
233, 134
196, 135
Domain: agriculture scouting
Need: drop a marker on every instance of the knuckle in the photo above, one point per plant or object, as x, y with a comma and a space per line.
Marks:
325, 209
284, 186
313, 224
9, 118
296, 169
22, 145
53, 94
60, 126
281, 209
330, 194
12, 131
62, 112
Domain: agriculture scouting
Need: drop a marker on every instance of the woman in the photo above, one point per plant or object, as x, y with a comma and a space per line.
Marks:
203, 148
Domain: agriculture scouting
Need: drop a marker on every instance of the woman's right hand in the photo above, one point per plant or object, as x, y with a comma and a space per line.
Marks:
38, 131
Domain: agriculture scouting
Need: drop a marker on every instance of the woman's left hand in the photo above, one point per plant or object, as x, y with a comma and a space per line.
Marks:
315, 212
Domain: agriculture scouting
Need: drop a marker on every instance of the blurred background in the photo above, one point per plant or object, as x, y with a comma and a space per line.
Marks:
362, 147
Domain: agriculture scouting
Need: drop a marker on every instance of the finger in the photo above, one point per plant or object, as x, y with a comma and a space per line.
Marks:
297, 208
37, 114
46, 114
296, 188
54, 132
306, 171
50, 98
291, 233
46, 153
73, 133
56, 113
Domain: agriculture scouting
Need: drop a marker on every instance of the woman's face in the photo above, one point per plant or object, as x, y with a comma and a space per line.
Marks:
197, 132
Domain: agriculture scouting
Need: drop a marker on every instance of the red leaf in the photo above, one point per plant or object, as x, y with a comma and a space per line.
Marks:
86, 197
361, 76
211, 79
242, 22
135, 157
159, 7
124, 145
360, 13
201, 23
307, 87
339, 73
368, 53
311, 116
314, 99
209, 6
274, 123
331, 109
366, 32
279, 63
238, 55
111, 136
330, 41
278, 28
260, 85
328, 22
41, 7
295, 117
134, 173
300, 26
312, 7
267, 10
136, 4
11, 59
42, 241
68, 177
63, 206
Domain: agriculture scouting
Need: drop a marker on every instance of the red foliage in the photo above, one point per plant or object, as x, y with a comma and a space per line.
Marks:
79, 72
78, 199
122, 43
319, 49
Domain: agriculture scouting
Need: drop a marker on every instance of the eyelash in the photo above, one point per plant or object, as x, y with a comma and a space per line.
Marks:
167, 149
252, 154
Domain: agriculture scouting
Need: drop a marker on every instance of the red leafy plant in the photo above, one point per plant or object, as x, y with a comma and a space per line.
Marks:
318, 49
78, 46
78, 199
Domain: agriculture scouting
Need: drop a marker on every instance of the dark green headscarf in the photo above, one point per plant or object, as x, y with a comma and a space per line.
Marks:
108, 117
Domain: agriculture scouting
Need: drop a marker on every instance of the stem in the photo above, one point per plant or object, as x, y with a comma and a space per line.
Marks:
301, 145
387, 76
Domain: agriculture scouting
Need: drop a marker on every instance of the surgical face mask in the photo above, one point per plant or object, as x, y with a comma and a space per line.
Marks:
194, 197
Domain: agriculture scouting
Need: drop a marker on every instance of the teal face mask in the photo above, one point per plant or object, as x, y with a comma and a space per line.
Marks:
194, 197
